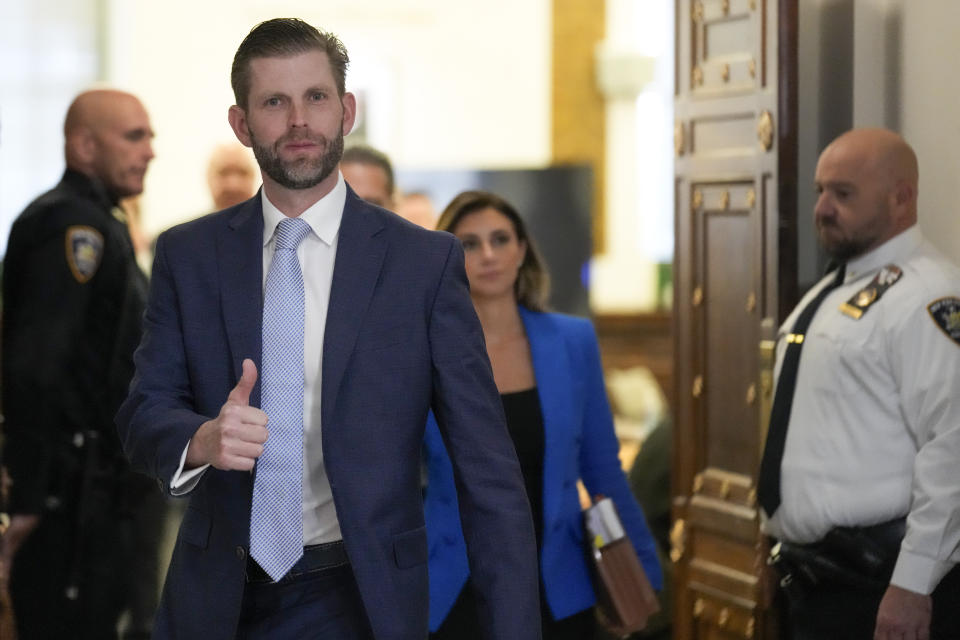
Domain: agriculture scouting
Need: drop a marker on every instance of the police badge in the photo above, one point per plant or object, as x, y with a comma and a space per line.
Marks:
84, 251
946, 313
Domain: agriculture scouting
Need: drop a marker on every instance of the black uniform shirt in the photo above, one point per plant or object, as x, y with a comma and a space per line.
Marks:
73, 299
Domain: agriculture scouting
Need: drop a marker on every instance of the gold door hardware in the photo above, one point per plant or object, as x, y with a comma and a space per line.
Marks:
767, 357
678, 540
697, 386
725, 200
725, 72
697, 200
751, 395
698, 483
724, 618
752, 68
751, 302
751, 198
697, 297
765, 130
678, 138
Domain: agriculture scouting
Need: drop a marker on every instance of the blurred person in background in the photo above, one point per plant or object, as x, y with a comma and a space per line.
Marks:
231, 175
73, 300
417, 207
370, 174
547, 369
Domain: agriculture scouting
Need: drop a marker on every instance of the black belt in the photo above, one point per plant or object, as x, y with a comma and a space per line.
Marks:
316, 557
861, 557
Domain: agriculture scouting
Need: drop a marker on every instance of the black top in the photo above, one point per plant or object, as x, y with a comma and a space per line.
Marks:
525, 424
73, 298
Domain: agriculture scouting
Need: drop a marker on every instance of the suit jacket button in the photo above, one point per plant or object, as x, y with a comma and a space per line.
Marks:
241, 552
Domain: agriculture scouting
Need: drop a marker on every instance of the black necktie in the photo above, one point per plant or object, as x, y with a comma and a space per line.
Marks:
768, 485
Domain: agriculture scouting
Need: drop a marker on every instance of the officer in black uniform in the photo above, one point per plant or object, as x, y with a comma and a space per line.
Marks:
73, 300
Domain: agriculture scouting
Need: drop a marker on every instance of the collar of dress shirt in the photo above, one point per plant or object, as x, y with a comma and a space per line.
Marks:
890, 252
323, 216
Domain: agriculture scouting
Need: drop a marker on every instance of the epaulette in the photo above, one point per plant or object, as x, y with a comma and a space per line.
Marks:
862, 300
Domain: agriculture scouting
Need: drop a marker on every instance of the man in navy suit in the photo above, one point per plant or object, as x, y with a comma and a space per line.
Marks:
388, 332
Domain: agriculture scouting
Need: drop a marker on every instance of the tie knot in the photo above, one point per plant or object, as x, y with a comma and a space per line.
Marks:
291, 232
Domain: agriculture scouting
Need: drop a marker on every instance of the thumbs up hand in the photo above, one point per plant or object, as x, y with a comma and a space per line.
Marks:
234, 439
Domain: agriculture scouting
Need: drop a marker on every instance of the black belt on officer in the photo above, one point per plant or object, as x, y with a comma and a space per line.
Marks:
860, 557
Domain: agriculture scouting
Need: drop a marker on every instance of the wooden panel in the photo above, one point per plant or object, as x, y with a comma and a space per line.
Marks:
730, 134
725, 58
734, 123
730, 331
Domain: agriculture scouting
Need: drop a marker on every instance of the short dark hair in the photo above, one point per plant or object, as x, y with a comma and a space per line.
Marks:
362, 154
284, 37
532, 288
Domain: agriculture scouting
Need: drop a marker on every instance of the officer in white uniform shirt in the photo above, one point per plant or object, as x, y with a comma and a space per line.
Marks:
872, 448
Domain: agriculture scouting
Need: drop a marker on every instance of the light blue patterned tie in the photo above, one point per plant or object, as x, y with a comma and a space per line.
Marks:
276, 519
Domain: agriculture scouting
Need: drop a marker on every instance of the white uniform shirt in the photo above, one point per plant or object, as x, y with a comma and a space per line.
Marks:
874, 430
317, 254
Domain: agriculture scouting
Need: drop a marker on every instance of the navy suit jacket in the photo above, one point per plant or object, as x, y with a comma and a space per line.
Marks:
579, 442
401, 337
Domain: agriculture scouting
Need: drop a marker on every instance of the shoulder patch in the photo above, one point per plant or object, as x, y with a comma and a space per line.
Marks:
84, 247
946, 313
862, 300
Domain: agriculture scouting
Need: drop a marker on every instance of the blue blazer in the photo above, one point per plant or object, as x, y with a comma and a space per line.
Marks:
401, 337
579, 443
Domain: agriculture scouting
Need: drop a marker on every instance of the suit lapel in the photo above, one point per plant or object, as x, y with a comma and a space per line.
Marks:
552, 369
240, 265
361, 247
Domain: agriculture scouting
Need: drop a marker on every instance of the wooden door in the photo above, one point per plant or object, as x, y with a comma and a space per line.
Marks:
734, 264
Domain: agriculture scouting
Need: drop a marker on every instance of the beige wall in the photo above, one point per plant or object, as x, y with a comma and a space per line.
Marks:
904, 57
930, 112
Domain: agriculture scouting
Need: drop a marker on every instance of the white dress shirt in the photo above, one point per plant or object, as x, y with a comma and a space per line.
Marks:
874, 430
317, 254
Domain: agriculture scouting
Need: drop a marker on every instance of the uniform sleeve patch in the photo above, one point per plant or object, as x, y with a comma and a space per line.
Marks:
84, 251
946, 313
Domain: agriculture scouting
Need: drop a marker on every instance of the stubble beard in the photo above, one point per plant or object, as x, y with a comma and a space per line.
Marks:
300, 173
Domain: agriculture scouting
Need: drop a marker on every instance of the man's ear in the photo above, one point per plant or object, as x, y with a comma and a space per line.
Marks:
237, 118
904, 193
82, 145
349, 103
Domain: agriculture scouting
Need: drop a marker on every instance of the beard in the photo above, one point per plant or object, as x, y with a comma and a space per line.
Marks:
300, 173
844, 248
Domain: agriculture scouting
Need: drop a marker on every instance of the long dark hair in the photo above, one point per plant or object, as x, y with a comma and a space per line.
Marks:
532, 287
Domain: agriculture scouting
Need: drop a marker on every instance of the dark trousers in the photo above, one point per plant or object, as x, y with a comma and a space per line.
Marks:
65, 587
463, 622
318, 598
840, 612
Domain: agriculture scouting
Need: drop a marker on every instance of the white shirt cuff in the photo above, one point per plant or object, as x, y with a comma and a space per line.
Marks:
185, 481
917, 573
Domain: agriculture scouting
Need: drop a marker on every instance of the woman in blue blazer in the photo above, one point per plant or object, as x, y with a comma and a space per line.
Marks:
547, 368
